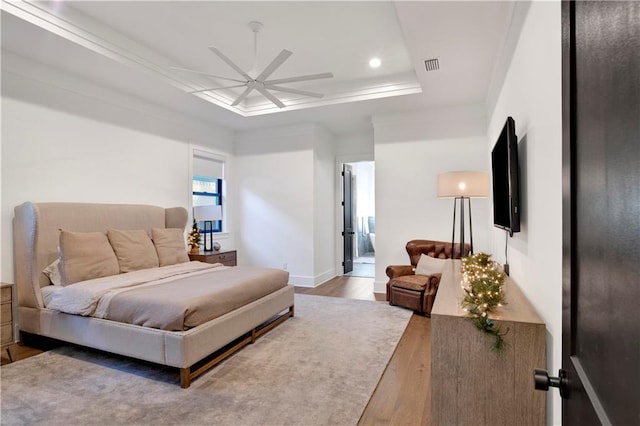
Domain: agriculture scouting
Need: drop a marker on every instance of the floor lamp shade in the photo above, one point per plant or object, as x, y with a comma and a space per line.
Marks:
463, 186
207, 214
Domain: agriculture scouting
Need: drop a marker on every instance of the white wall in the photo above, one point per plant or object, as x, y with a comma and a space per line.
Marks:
285, 180
531, 94
324, 195
62, 144
357, 144
410, 151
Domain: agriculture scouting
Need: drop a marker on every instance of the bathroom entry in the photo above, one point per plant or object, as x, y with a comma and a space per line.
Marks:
359, 233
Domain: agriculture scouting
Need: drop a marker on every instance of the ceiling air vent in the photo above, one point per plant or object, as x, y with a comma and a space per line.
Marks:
432, 64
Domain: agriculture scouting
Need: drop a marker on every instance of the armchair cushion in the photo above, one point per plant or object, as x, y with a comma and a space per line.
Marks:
413, 282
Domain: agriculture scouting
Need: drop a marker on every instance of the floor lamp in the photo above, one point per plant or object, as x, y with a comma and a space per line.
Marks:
463, 186
207, 214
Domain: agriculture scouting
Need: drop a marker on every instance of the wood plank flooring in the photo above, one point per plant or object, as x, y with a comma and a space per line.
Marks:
403, 395
345, 287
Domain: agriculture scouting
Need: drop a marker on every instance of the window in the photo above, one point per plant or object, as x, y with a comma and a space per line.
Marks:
208, 185
206, 192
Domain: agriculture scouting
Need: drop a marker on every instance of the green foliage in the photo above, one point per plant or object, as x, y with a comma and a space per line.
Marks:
482, 283
193, 238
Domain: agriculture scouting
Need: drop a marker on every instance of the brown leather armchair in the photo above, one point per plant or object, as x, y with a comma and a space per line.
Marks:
418, 292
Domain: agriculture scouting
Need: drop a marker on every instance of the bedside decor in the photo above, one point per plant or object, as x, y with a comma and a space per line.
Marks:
193, 239
482, 281
208, 215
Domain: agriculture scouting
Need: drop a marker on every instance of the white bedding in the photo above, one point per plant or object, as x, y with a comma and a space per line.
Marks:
92, 297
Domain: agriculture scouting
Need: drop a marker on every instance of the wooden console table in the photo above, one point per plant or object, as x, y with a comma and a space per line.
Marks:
471, 384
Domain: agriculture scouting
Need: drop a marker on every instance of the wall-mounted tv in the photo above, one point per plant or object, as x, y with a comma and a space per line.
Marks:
504, 167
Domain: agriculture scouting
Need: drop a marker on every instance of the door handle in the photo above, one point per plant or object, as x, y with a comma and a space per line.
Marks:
542, 381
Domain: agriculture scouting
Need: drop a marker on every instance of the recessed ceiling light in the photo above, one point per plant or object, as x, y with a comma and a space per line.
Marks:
375, 62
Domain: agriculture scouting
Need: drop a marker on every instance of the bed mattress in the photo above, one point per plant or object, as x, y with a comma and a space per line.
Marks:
173, 298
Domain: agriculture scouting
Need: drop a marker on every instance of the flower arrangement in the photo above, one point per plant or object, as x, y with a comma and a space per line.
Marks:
482, 283
193, 238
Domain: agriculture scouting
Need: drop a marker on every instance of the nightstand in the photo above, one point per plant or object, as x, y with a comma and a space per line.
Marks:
6, 312
227, 258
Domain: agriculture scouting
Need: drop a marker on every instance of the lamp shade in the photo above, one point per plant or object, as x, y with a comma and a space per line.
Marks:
203, 213
463, 184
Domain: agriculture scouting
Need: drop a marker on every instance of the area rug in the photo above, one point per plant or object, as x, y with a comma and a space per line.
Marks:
318, 368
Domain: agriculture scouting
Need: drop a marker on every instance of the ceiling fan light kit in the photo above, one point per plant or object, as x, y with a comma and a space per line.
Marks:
260, 83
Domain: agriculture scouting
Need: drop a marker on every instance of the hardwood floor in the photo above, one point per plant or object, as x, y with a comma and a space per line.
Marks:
403, 395
345, 287
18, 352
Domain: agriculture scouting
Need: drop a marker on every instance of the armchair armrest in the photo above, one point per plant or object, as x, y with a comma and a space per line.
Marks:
394, 271
432, 284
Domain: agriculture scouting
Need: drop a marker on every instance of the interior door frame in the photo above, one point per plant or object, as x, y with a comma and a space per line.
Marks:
340, 160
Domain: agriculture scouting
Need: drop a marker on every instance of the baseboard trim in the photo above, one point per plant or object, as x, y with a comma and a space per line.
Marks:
380, 287
311, 282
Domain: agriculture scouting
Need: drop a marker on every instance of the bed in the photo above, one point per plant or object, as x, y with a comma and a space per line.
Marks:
193, 346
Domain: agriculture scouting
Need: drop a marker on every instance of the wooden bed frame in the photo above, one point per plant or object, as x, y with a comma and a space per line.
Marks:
194, 351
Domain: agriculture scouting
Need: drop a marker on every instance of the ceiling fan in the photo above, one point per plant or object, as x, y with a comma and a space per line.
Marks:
260, 83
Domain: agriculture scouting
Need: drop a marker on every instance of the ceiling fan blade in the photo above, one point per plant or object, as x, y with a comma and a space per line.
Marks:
300, 78
282, 56
242, 96
207, 74
230, 63
217, 88
269, 96
294, 91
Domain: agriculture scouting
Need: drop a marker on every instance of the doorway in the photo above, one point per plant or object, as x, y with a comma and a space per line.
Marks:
359, 231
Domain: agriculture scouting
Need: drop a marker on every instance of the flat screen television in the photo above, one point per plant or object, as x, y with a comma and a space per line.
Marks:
504, 167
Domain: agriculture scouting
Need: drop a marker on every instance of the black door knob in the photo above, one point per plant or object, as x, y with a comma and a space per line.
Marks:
543, 381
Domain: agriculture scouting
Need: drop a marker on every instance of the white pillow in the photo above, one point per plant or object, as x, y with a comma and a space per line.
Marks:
428, 265
53, 272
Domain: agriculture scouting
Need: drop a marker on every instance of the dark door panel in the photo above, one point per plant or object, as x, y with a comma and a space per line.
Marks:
601, 162
347, 209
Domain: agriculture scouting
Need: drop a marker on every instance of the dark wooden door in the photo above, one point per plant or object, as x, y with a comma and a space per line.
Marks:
601, 209
347, 210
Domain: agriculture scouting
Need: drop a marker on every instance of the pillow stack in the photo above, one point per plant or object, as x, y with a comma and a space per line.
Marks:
89, 255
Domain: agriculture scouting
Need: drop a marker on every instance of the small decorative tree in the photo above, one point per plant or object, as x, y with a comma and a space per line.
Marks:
193, 239
482, 284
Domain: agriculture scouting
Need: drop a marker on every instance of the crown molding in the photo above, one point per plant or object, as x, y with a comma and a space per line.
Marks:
63, 21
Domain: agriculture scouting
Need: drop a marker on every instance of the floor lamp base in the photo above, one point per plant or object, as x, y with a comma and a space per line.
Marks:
461, 249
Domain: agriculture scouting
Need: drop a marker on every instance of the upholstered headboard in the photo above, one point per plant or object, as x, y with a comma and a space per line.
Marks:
36, 232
